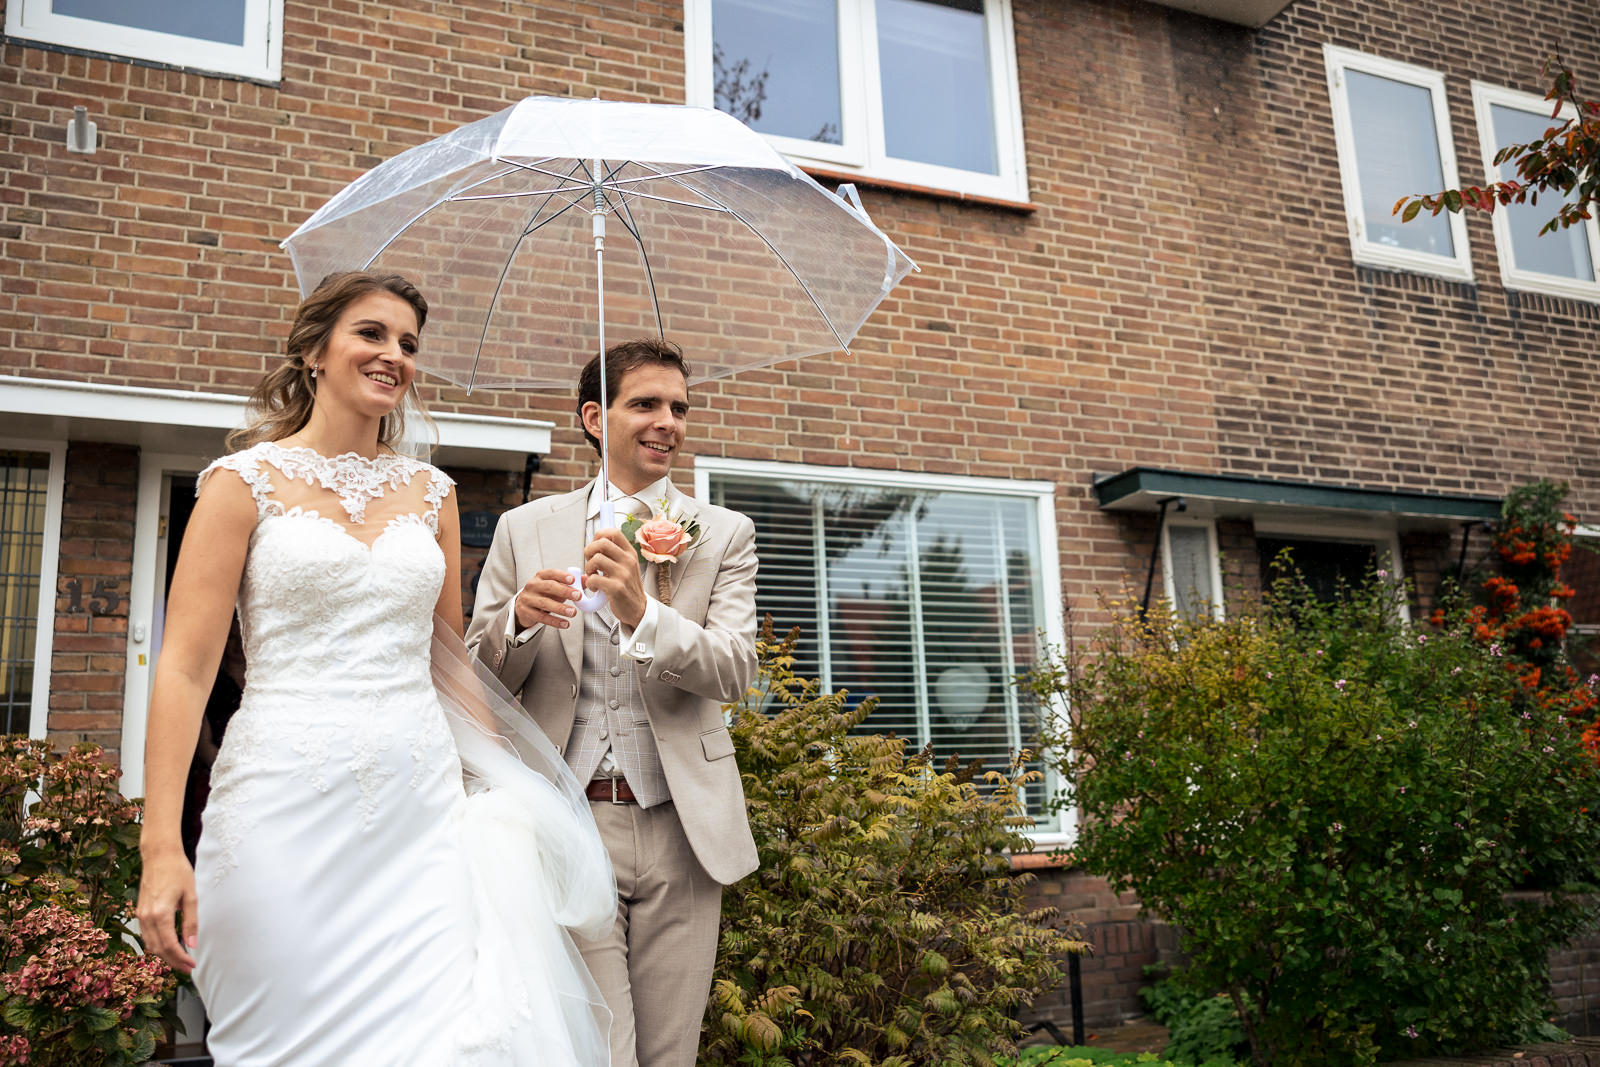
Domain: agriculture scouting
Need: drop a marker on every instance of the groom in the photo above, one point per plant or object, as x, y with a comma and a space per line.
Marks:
632, 693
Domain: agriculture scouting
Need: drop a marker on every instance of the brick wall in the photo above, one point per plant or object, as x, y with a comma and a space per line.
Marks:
88, 659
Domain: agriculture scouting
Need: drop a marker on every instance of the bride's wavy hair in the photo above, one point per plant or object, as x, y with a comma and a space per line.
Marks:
281, 402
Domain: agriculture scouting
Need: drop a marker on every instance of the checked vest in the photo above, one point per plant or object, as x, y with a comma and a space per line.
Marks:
611, 712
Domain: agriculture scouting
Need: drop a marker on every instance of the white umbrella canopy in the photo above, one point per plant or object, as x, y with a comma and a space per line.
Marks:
714, 241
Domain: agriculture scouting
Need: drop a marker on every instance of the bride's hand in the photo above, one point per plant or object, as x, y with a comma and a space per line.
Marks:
166, 889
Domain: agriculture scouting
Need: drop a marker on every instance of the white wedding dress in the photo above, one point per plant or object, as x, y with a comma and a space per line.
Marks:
361, 902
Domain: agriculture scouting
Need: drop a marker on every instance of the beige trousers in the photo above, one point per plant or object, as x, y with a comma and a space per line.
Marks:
654, 970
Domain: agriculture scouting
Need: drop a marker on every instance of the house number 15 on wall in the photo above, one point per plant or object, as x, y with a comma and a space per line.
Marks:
104, 599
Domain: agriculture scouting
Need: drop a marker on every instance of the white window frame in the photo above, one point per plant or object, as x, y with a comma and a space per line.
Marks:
1042, 493
259, 58
49, 572
862, 149
1213, 556
1485, 97
1338, 60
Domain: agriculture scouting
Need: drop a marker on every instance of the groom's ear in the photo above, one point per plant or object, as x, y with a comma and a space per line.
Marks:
592, 419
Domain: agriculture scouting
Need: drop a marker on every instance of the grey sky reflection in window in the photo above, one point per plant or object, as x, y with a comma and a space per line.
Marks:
1564, 253
775, 64
933, 60
221, 21
1397, 153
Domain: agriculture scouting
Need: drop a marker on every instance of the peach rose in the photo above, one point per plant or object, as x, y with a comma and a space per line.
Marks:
660, 540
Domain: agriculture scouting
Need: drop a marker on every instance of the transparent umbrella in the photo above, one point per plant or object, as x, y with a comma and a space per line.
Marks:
716, 242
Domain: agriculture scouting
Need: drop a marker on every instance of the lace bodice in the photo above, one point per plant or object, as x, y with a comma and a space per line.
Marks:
343, 571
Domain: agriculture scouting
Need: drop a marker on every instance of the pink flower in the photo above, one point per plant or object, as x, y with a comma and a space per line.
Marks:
660, 540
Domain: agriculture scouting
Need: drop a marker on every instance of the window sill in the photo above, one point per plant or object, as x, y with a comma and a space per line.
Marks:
1054, 860
1022, 207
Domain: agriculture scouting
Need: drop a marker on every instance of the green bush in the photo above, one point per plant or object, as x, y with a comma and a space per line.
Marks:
1202, 1028
73, 989
884, 927
1335, 808
1080, 1056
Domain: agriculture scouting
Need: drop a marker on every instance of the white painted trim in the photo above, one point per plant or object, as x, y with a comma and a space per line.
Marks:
49, 572
1337, 61
1046, 531
260, 56
858, 475
1484, 98
153, 466
124, 414
1213, 556
861, 104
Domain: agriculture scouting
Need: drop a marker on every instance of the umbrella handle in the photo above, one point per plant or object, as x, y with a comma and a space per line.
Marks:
592, 599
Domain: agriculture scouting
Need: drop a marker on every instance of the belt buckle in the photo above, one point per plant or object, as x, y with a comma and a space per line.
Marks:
614, 799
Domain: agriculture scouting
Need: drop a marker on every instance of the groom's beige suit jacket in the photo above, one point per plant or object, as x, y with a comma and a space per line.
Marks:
704, 656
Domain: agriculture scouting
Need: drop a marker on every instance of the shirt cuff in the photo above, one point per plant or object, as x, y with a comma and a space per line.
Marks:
642, 643
513, 638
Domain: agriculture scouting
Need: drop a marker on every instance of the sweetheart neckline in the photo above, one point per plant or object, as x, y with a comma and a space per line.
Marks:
396, 523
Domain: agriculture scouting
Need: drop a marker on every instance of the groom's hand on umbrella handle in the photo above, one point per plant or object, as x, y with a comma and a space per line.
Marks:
613, 568
546, 598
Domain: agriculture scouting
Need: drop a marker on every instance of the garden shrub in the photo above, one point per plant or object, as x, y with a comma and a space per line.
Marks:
1202, 1028
1334, 807
884, 926
74, 990
1080, 1056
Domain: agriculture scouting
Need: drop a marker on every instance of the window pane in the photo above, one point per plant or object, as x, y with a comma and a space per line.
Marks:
1326, 566
23, 483
1582, 572
933, 602
1564, 253
933, 58
1397, 154
206, 20
776, 66
1190, 548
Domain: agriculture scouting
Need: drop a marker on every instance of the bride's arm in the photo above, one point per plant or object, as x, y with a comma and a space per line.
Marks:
449, 606
201, 601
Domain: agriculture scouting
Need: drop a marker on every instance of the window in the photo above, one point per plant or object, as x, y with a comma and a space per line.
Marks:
29, 525
1328, 558
918, 91
240, 37
1562, 263
928, 593
1192, 570
1392, 130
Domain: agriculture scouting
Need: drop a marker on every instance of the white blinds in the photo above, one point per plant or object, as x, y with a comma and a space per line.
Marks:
930, 600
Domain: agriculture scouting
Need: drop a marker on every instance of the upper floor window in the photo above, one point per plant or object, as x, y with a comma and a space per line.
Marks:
917, 91
1392, 129
1563, 262
240, 37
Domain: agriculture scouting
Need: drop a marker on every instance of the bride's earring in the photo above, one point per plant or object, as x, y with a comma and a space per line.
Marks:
313, 370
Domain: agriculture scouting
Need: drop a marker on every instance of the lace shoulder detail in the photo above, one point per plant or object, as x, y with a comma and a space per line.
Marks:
439, 486
247, 465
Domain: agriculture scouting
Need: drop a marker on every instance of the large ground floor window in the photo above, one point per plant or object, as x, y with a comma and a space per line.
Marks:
929, 594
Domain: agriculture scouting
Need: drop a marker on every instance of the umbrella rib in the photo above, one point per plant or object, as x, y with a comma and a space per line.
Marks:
626, 218
488, 314
843, 345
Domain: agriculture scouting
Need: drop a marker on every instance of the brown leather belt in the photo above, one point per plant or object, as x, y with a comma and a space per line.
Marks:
614, 790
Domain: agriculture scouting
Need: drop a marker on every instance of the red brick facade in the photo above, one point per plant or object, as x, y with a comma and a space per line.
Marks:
1179, 294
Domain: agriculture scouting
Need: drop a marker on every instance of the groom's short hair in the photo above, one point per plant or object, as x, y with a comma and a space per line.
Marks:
621, 358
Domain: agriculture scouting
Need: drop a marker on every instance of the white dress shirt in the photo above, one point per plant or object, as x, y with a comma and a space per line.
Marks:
639, 643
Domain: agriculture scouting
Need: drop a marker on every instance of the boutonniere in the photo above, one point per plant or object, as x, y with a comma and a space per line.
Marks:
660, 539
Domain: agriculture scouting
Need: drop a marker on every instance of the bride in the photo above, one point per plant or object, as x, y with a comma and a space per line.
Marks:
392, 856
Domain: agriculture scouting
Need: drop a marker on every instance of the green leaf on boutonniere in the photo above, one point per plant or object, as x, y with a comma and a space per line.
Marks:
630, 526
